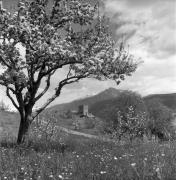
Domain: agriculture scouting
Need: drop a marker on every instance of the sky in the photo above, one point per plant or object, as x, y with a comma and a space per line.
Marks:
148, 27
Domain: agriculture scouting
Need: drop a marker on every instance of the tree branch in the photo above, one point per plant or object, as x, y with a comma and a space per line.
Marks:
58, 91
10, 97
46, 88
54, 68
3, 61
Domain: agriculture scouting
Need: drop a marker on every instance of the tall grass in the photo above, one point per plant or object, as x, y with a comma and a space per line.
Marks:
77, 158
51, 154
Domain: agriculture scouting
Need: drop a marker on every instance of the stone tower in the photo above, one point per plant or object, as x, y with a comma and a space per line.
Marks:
83, 110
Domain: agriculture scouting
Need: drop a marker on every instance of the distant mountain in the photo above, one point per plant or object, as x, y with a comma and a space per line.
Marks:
169, 100
104, 104
106, 109
110, 93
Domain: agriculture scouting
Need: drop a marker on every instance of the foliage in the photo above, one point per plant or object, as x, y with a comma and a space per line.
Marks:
68, 114
160, 119
130, 125
107, 109
169, 100
129, 98
71, 36
44, 127
51, 42
128, 108
89, 160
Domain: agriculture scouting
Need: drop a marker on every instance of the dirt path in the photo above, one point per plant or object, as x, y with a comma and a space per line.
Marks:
69, 131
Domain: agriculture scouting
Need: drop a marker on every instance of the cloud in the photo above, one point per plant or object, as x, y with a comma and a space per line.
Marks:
153, 76
149, 23
144, 3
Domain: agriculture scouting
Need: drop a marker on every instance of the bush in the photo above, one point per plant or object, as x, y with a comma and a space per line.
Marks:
130, 125
126, 100
160, 120
130, 116
44, 127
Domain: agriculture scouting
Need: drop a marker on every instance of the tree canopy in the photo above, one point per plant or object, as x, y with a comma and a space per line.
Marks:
71, 34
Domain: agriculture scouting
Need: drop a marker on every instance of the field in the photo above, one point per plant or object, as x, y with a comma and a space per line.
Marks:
75, 157
68, 155
78, 158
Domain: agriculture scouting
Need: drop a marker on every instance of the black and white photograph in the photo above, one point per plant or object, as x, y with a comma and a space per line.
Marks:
87, 89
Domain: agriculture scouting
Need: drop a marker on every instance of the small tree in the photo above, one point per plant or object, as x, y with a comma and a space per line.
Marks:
70, 35
128, 116
131, 125
44, 127
122, 103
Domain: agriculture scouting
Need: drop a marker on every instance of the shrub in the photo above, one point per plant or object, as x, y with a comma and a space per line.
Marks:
130, 117
160, 119
126, 100
130, 125
44, 127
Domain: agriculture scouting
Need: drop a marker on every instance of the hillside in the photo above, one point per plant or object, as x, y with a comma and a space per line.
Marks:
9, 122
106, 109
169, 100
104, 104
110, 93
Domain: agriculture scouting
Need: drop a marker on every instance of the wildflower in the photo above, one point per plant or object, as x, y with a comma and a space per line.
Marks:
133, 164
5, 177
157, 169
157, 155
162, 154
61, 177
49, 157
158, 172
145, 159
115, 158
102, 172
22, 168
51, 176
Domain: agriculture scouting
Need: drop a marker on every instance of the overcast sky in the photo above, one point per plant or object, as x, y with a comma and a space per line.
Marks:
149, 28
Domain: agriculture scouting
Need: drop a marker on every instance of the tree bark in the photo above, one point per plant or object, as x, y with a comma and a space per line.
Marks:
23, 129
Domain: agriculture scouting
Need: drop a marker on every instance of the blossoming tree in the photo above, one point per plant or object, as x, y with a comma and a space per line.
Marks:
72, 35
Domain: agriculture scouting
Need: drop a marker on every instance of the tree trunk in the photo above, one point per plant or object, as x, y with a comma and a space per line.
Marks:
23, 129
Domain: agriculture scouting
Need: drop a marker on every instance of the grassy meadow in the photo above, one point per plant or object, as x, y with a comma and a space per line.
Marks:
49, 153
78, 158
